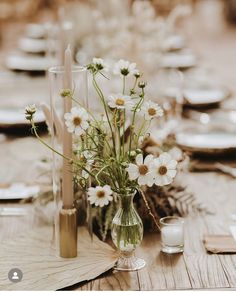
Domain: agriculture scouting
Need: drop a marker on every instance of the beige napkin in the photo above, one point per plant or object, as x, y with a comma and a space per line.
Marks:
220, 243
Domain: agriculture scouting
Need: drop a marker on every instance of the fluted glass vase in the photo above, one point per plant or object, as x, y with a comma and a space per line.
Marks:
127, 234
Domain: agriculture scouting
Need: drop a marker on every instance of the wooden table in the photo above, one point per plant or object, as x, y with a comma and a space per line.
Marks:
195, 268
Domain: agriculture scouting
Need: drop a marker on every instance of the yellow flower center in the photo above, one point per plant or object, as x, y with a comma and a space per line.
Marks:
77, 121
120, 102
100, 194
143, 169
152, 111
162, 170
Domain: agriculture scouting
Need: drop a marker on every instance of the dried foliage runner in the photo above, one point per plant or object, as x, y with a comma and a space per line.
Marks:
42, 270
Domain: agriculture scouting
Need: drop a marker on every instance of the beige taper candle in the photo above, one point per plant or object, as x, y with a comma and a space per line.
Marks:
67, 217
67, 176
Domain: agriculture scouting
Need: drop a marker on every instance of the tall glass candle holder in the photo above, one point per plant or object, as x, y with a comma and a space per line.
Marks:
65, 177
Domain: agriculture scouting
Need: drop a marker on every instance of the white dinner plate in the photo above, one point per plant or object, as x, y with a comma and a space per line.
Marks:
212, 141
180, 60
28, 63
199, 97
18, 191
174, 43
11, 117
29, 45
216, 117
34, 30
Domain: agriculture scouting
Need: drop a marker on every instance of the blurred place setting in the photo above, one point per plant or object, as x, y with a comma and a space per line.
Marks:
160, 76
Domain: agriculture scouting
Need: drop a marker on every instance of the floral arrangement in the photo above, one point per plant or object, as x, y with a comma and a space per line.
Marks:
114, 155
107, 157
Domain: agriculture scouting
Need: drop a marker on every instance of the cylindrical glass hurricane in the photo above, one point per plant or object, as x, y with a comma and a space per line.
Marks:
65, 93
127, 234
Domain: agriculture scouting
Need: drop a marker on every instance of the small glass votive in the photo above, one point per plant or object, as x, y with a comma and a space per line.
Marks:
172, 234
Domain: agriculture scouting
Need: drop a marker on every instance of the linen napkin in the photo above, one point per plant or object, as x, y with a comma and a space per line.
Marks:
220, 243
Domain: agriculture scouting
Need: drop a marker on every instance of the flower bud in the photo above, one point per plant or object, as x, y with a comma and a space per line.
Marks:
132, 154
139, 151
137, 74
142, 84
30, 110
124, 164
124, 71
66, 93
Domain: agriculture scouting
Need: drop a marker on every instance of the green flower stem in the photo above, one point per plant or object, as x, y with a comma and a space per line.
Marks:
141, 131
55, 151
106, 110
123, 84
90, 113
124, 133
44, 143
135, 83
119, 136
101, 170
133, 119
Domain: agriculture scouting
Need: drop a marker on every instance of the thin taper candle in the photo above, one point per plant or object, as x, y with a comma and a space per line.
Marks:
67, 176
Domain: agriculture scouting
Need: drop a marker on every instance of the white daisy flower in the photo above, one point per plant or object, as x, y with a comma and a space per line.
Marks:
151, 110
164, 169
125, 68
141, 170
120, 101
77, 121
100, 196
100, 64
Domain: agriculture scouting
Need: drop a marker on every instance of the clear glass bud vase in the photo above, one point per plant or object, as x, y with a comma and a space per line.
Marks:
127, 234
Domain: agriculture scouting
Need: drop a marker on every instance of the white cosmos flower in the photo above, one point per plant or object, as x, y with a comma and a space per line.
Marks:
151, 110
100, 64
141, 170
100, 196
120, 101
164, 169
77, 120
125, 68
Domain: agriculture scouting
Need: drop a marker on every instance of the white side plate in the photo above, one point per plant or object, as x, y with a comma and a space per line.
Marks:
173, 60
29, 45
205, 142
174, 42
16, 117
204, 96
28, 63
18, 191
34, 30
